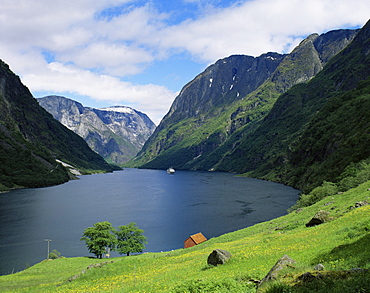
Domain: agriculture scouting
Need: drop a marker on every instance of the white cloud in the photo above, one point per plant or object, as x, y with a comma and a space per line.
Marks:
36, 23
153, 100
78, 46
115, 59
259, 26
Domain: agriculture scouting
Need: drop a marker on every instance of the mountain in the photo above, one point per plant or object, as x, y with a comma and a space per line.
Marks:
214, 114
316, 130
33, 145
116, 133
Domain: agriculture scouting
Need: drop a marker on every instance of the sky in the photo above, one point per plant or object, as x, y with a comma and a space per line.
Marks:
141, 53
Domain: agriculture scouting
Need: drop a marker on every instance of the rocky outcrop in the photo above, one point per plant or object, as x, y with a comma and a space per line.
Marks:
359, 204
331, 276
227, 80
311, 55
116, 133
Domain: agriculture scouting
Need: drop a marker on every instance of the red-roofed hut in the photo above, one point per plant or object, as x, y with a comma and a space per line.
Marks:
194, 240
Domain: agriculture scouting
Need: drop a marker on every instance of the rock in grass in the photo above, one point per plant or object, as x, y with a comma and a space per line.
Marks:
319, 218
358, 270
319, 267
75, 277
308, 277
280, 264
218, 257
361, 204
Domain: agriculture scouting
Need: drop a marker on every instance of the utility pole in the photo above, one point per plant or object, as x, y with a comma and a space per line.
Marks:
48, 240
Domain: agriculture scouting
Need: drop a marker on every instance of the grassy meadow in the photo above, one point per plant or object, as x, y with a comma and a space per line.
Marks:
340, 244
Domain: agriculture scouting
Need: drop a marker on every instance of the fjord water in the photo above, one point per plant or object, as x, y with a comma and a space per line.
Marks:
169, 208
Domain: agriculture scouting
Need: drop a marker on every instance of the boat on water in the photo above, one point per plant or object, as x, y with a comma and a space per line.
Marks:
171, 170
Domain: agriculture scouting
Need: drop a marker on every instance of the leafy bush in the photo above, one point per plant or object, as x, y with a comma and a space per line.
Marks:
357, 283
351, 177
338, 283
54, 254
326, 189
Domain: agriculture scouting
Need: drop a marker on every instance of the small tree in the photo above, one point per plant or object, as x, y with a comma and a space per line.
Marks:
130, 239
99, 237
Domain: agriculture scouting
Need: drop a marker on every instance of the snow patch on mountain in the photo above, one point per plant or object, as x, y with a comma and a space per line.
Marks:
120, 109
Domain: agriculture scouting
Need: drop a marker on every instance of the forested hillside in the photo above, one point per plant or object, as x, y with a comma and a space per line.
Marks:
316, 129
31, 141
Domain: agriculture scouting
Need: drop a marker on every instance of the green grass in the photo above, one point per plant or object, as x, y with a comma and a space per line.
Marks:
338, 244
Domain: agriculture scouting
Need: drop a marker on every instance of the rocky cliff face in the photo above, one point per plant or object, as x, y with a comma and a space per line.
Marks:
309, 58
222, 83
116, 133
214, 113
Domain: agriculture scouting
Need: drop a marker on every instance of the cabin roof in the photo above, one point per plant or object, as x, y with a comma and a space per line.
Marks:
198, 238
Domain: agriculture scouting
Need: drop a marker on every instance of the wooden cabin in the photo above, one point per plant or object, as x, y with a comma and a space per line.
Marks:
194, 240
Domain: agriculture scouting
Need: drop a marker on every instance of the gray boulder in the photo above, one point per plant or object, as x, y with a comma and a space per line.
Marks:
319, 218
319, 267
218, 257
280, 264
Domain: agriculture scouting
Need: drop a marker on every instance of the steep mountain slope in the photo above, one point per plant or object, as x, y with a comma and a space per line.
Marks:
317, 129
116, 133
223, 105
31, 140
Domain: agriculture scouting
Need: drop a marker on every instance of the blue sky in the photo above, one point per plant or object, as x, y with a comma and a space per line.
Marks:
141, 53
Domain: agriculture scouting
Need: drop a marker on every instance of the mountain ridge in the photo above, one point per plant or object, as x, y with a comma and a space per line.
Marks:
201, 142
117, 133
291, 146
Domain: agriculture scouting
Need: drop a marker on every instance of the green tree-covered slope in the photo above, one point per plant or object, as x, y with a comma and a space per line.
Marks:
316, 129
31, 140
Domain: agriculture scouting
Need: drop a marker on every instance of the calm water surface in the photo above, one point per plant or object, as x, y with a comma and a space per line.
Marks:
169, 208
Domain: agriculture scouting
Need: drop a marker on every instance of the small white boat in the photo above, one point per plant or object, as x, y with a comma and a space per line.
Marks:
171, 170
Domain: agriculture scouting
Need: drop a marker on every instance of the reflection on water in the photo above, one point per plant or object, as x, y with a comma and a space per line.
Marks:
168, 208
